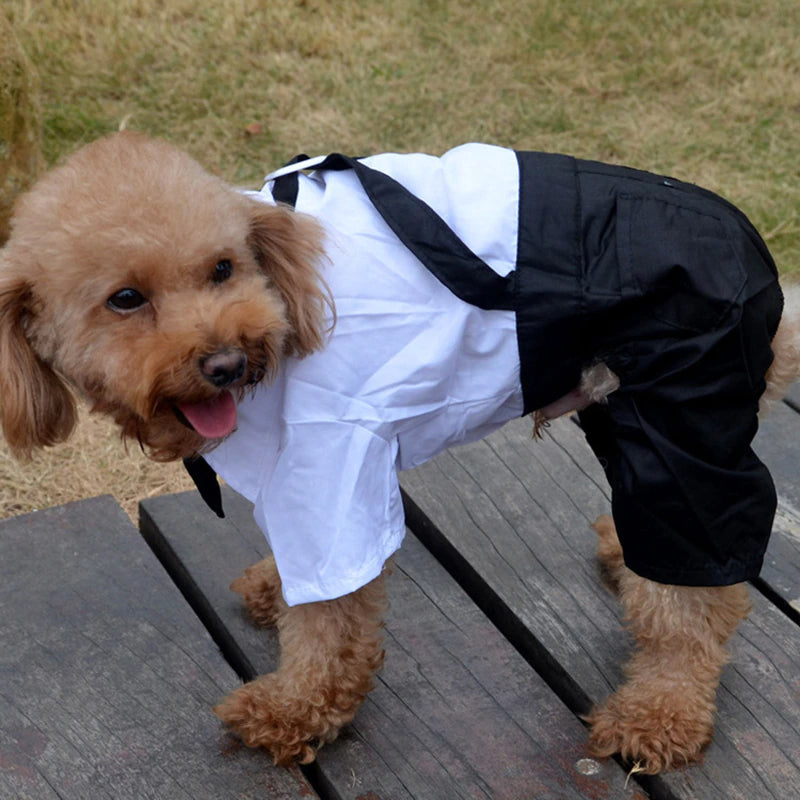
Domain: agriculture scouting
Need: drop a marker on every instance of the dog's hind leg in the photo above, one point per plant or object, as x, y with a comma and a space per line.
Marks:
662, 717
330, 652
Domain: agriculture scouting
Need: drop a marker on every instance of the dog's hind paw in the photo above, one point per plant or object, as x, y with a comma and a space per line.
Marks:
655, 737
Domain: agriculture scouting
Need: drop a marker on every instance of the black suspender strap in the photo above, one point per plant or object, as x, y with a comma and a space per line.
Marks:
423, 232
285, 188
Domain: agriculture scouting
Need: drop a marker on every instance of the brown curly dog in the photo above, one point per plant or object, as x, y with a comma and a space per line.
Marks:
150, 288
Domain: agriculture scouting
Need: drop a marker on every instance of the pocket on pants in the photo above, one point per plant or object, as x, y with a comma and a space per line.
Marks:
680, 258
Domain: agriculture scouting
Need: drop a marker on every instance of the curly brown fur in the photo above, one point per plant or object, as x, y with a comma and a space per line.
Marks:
260, 588
37, 408
330, 652
663, 715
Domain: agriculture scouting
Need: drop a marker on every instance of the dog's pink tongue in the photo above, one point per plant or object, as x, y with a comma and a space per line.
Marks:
212, 418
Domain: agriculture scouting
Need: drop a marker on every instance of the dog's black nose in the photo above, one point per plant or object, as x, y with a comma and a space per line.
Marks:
223, 368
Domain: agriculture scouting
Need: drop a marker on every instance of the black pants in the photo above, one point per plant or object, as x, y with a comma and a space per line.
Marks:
681, 301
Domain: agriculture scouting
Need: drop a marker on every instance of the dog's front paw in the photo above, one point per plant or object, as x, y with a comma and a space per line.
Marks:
263, 713
656, 733
260, 588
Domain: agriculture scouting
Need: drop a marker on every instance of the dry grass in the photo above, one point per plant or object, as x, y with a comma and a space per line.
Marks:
93, 462
20, 125
707, 90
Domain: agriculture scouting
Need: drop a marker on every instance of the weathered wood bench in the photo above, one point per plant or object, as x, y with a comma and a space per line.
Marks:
500, 634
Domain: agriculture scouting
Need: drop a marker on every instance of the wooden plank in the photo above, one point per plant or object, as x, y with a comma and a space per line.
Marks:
778, 445
107, 678
456, 712
516, 513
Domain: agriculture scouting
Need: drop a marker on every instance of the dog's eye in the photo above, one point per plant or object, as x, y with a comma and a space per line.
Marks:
222, 271
126, 300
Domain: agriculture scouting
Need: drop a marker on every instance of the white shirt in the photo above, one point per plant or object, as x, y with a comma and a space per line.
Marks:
408, 370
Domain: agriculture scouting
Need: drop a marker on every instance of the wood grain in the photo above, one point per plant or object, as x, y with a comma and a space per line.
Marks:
107, 678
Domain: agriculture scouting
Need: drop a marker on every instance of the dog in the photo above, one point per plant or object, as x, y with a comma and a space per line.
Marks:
208, 321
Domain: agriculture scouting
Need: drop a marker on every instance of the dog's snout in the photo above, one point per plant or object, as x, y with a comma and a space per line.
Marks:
224, 367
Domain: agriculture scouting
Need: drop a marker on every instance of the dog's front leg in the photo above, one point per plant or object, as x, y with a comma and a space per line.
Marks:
330, 652
662, 717
260, 588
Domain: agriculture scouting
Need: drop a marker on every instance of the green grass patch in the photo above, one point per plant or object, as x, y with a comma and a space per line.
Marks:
706, 90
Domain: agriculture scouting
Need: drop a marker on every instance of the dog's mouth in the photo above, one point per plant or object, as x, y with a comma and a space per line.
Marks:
214, 418
227, 369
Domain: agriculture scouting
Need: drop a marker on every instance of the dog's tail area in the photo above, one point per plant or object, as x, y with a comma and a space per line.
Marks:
785, 367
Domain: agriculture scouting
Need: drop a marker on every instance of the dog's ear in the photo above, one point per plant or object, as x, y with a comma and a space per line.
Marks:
36, 407
288, 246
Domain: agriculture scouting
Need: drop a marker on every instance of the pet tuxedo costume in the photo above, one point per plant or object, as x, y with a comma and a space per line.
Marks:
476, 287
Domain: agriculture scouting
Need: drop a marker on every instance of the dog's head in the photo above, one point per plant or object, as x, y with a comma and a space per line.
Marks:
155, 290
